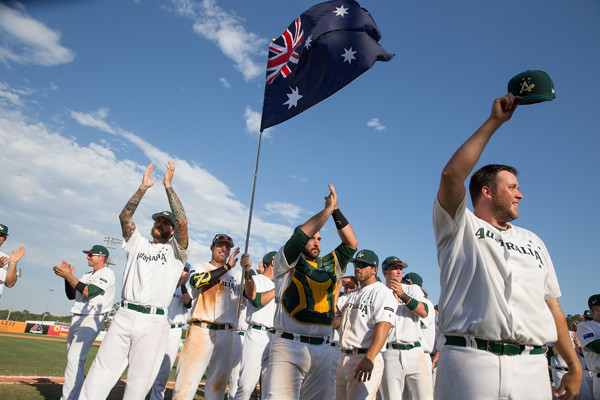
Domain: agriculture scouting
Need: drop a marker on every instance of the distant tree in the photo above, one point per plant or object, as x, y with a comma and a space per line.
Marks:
573, 318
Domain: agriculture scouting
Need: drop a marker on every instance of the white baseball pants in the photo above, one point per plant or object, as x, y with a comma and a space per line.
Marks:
255, 359
347, 387
160, 383
406, 370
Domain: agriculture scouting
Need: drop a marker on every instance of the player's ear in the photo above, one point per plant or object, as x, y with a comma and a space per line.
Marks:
486, 192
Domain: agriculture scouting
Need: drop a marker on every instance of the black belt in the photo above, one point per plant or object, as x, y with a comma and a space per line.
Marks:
398, 346
142, 309
173, 326
208, 325
263, 328
496, 347
561, 368
355, 351
304, 339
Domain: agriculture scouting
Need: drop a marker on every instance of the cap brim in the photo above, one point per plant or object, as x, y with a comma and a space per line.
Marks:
534, 99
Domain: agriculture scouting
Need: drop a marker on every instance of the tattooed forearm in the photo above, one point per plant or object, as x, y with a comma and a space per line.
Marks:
126, 216
181, 226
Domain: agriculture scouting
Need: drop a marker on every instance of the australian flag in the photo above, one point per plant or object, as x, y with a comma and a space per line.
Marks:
323, 50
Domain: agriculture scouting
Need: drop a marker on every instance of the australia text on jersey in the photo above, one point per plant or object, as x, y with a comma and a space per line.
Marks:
482, 233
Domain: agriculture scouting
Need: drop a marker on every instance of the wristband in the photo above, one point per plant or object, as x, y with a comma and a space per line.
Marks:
183, 289
405, 298
80, 287
339, 219
412, 304
227, 267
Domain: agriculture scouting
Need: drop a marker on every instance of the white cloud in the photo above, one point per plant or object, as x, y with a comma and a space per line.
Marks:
25, 40
93, 120
289, 211
252, 119
12, 97
225, 29
300, 178
225, 82
375, 124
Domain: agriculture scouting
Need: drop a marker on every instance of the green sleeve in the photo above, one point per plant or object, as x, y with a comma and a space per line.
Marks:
256, 302
594, 346
344, 254
293, 247
93, 291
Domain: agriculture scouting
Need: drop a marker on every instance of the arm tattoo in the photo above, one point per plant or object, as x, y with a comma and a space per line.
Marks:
181, 227
126, 216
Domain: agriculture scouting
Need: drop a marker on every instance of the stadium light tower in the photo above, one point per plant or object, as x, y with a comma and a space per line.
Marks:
19, 275
111, 244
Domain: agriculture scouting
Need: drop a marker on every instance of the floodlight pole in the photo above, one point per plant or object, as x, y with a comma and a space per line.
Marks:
47, 304
111, 243
14, 297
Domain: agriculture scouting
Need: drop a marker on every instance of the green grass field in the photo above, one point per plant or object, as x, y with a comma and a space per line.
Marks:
28, 356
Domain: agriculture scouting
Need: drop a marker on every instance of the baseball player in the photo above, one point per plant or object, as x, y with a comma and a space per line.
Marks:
94, 294
406, 366
588, 333
428, 324
260, 291
499, 293
209, 342
8, 277
139, 332
304, 295
236, 352
367, 317
177, 315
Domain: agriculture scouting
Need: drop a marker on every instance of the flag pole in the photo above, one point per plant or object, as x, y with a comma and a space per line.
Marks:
249, 221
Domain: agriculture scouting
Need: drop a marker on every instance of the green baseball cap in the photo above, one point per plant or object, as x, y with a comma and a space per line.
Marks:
221, 237
269, 257
414, 278
533, 85
366, 256
97, 250
165, 214
393, 260
588, 314
594, 300
3, 229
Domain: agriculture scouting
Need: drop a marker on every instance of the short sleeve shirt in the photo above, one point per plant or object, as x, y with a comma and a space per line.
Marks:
587, 332
101, 303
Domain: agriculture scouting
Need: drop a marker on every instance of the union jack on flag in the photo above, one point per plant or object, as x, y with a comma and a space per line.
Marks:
281, 55
324, 49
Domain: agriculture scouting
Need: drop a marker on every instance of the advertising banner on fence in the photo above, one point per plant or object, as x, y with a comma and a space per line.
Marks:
12, 326
37, 328
62, 331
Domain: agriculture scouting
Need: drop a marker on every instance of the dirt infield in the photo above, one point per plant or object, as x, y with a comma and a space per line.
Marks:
53, 380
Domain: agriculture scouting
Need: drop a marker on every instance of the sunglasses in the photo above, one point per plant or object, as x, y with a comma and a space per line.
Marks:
4, 235
361, 265
222, 238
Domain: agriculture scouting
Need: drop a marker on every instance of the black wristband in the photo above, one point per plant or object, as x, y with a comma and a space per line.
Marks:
183, 289
227, 267
405, 298
80, 287
339, 219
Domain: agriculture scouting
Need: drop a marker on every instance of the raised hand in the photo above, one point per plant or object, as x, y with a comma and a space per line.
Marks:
169, 174
147, 180
16, 256
233, 257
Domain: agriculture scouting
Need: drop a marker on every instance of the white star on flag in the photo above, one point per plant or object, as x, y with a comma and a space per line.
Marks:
340, 11
293, 98
349, 55
308, 42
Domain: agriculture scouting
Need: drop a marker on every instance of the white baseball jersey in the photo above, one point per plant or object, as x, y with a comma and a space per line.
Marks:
217, 304
177, 312
101, 303
494, 283
361, 311
407, 329
152, 271
262, 316
283, 273
587, 332
3, 272
428, 326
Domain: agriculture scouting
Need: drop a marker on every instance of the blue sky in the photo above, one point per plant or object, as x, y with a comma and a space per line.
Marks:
93, 91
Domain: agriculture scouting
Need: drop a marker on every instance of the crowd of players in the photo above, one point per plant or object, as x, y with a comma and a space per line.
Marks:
309, 329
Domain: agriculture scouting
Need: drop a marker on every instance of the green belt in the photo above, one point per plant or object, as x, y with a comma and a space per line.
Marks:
398, 346
208, 325
355, 351
498, 348
241, 333
304, 339
173, 326
143, 309
263, 328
